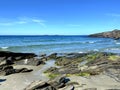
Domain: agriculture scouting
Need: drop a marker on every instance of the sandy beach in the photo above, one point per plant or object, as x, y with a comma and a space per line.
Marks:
100, 82
21, 81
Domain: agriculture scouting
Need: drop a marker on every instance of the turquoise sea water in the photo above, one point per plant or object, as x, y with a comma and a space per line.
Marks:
59, 44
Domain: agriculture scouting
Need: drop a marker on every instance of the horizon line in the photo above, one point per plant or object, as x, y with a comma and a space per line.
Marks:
46, 35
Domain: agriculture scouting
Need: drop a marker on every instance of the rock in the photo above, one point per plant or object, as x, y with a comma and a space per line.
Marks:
30, 61
114, 72
15, 55
63, 80
9, 70
12, 57
39, 85
40, 62
44, 59
7, 67
75, 55
18, 58
10, 61
73, 88
111, 34
52, 56
36, 84
2, 58
23, 70
50, 85
59, 82
43, 55
51, 70
95, 64
13, 71
112, 89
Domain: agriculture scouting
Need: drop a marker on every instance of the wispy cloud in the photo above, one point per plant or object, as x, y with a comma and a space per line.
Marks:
113, 14
12, 23
23, 21
38, 21
41, 22
6, 24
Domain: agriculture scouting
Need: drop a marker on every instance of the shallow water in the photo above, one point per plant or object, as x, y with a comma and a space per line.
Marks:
59, 44
50, 63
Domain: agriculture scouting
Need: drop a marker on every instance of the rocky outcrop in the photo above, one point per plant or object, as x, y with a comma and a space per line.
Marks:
111, 34
10, 58
87, 64
55, 84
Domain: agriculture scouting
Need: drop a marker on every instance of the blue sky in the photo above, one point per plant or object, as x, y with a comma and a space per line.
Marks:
58, 17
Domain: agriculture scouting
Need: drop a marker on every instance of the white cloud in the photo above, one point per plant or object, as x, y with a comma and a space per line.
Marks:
23, 21
12, 23
41, 22
6, 24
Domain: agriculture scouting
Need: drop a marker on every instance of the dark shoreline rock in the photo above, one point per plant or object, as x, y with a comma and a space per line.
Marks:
20, 58
12, 57
16, 56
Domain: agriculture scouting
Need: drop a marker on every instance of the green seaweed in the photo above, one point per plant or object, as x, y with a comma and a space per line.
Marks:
52, 75
83, 74
113, 57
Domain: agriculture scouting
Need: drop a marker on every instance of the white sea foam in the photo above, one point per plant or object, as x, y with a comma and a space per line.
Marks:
91, 42
4, 47
80, 52
96, 50
113, 49
118, 43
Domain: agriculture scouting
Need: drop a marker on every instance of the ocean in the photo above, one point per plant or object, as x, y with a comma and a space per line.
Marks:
60, 44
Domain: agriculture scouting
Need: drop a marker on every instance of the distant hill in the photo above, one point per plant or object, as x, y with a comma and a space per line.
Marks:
115, 34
